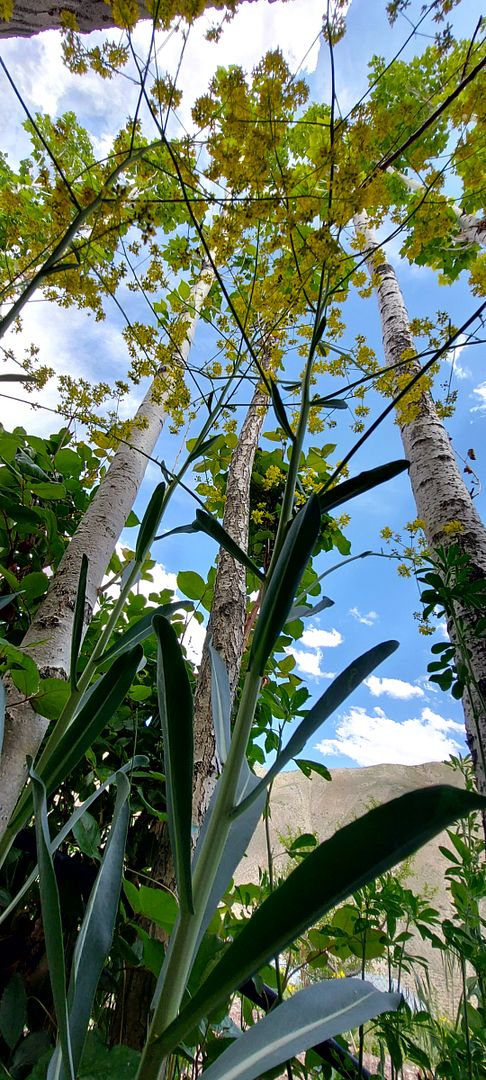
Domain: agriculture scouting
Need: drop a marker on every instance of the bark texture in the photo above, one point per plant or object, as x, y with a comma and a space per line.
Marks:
49, 636
226, 624
32, 16
440, 493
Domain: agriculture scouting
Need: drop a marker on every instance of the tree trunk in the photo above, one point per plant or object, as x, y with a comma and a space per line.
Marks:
440, 493
49, 636
32, 16
226, 630
473, 228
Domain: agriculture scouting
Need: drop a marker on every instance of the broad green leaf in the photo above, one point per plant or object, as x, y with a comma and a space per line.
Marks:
220, 704
78, 620
307, 767
309, 1017
141, 630
51, 697
191, 584
158, 905
208, 524
96, 932
149, 523
353, 856
28, 1052
364, 481
176, 717
331, 699
34, 585
203, 448
87, 834
139, 761
279, 410
13, 1010
291, 563
68, 462
48, 490
51, 921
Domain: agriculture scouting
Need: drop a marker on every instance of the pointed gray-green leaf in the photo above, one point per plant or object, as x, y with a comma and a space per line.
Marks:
279, 410
220, 703
4, 600
311, 1016
291, 563
51, 921
331, 497
192, 528
142, 629
302, 611
353, 856
13, 377
13, 1010
78, 620
211, 526
203, 448
176, 717
96, 932
149, 522
331, 699
137, 762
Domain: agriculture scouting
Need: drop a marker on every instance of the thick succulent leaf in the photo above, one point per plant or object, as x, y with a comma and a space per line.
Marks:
331, 699
149, 522
220, 704
302, 611
291, 563
176, 717
364, 481
209, 525
142, 629
78, 620
279, 410
354, 855
51, 921
314, 1014
330, 403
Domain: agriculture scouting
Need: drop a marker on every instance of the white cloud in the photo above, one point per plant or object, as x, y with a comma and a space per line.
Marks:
452, 358
395, 688
315, 638
374, 739
480, 392
309, 663
366, 620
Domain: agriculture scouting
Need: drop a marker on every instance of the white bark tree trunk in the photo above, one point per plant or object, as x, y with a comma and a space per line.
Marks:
226, 625
440, 493
48, 639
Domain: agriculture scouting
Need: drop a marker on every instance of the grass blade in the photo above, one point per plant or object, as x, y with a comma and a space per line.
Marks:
208, 524
364, 481
317, 1013
78, 621
354, 855
176, 717
291, 563
51, 920
331, 699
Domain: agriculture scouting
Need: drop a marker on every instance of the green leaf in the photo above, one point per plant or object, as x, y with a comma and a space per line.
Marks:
302, 611
48, 490
51, 920
353, 856
191, 584
349, 489
51, 697
150, 522
78, 620
68, 462
307, 1018
13, 1011
158, 905
220, 704
184, 290
87, 834
203, 448
279, 410
208, 524
141, 630
331, 699
291, 563
33, 586
176, 717
329, 403
5, 600
307, 767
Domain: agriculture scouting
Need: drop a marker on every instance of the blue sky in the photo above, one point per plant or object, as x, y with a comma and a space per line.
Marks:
397, 716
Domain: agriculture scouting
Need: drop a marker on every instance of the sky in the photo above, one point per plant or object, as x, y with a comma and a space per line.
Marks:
396, 715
